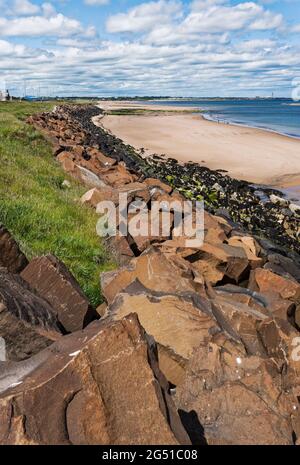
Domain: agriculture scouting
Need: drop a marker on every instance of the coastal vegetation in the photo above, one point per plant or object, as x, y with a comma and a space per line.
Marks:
43, 215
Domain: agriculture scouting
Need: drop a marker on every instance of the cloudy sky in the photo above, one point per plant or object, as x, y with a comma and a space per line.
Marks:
159, 47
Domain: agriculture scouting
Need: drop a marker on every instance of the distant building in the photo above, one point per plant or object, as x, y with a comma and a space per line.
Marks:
4, 96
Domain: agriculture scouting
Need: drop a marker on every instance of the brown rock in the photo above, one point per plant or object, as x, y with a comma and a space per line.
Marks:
102, 159
168, 203
271, 304
101, 386
102, 309
266, 281
68, 166
283, 266
233, 293
52, 280
280, 308
64, 156
67, 144
250, 246
208, 267
136, 190
78, 151
238, 399
118, 176
88, 178
133, 190
177, 196
215, 229
177, 323
151, 182
95, 196
27, 322
215, 261
247, 241
153, 270
11, 256
240, 321
277, 336
146, 228
119, 248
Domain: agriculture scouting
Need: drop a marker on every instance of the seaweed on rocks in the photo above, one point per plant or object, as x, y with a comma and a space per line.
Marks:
249, 206
110, 145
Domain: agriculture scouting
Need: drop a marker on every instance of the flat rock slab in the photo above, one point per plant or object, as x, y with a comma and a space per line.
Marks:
177, 323
266, 281
54, 282
153, 270
99, 386
28, 323
236, 398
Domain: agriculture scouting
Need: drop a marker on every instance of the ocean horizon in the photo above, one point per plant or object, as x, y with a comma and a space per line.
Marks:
277, 115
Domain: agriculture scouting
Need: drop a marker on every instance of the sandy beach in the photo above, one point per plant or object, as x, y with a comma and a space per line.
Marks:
246, 153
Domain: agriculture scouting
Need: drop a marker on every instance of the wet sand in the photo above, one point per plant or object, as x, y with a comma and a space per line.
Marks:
246, 153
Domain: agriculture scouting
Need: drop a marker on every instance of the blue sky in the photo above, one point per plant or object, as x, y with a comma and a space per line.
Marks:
158, 47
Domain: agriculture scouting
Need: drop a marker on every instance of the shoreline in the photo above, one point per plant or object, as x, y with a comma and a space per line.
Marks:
206, 116
179, 136
260, 210
205, 113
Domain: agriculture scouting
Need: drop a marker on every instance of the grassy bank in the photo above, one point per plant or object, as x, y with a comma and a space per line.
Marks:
42, 215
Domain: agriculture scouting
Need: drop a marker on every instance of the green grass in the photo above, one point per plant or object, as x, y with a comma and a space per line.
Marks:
43, 216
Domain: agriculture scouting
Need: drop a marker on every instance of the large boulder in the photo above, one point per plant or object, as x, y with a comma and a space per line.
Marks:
265, 281
28, 323
218, 261
216, 228
54, 282
104, 161
239, 321
11, 256
238, 399
153, 270
133, 190
120, 249
88, 178
99, 386
268, 304
177, 322
250, 247
94, 196
283, 266
118, 176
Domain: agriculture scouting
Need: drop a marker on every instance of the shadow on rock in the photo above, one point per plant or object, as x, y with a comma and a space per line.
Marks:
193, 427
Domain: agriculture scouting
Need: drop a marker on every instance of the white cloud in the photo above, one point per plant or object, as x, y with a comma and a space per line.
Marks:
209, 47
219, 17
33, 26
48, 9
164, 20
256, 44
145, 16
268, 20
21, 8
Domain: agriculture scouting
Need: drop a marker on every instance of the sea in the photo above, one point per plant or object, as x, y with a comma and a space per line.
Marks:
278, 115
